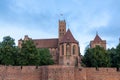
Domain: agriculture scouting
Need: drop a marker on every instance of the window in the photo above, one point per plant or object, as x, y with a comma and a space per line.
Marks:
36, 44
68, 63
68, 49
74, 47
62, 49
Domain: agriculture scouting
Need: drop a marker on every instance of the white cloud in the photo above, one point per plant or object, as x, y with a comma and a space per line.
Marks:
18, 31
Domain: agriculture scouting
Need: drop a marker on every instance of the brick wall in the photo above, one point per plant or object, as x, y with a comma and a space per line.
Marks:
102, 74
56, 72
97, 74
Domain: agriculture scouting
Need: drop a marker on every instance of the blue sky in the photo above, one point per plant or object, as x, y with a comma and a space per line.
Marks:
39, 19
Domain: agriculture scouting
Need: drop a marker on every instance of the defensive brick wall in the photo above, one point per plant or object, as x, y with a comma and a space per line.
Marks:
97, 74
56, 72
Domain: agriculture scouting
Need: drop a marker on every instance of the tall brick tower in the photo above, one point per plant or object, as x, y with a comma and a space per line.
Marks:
62, 29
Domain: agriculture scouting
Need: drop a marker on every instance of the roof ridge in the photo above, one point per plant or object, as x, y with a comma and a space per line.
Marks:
46, 39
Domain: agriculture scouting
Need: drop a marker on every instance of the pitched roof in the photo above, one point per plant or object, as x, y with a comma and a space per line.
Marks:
68, 37
46, 43
97, 38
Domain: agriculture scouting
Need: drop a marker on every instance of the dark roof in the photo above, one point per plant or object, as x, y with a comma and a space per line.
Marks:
97, 38
46, 43
68, 37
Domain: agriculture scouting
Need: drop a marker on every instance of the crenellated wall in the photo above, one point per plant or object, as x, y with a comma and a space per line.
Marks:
97, 74
56, 72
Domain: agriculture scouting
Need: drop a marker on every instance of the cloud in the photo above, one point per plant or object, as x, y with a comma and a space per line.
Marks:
17, 32
39, 19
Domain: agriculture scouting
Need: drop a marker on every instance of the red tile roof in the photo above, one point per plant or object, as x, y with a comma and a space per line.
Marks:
68, 37
97, 38
46, 43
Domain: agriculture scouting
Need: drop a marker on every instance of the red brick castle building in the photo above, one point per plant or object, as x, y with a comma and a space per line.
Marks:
98, 42
64, 49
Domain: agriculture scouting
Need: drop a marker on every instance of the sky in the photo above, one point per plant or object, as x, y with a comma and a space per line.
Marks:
39, 19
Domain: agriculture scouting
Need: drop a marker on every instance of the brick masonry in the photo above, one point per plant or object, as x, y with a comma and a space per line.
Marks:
57, 72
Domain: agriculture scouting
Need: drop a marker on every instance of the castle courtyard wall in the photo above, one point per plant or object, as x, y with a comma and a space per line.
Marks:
57, 72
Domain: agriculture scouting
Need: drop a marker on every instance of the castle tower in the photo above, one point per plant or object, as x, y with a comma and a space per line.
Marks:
62, 29
20, 41
69, 50
98, 42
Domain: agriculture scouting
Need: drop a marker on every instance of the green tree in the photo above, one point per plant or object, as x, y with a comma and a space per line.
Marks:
96, 57
113, 56
7, 51
117, 57
28, 54
45, 57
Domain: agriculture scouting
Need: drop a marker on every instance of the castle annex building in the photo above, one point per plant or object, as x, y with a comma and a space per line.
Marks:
64, 49
98, 42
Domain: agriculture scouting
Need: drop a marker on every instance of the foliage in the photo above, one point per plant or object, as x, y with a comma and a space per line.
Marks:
96, 57
27, 55
113, 56
30, 55
7, 51
45, 57
117, 57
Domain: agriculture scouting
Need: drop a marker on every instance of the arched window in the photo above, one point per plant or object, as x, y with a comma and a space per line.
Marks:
62, 49
68, 49
74, 47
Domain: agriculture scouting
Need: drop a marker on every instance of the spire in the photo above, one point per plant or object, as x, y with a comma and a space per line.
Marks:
96, 32
62, 17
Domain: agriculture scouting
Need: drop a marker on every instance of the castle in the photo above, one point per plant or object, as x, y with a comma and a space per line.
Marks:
64, 49
66, 55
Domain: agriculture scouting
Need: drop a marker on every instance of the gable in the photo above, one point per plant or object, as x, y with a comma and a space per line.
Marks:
68, 37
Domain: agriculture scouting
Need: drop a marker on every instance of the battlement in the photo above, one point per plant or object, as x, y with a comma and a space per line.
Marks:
57, 72
102, 69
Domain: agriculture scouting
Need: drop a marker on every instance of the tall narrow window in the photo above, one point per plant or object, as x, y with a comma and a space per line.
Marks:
68, 49
74, 49
62, 49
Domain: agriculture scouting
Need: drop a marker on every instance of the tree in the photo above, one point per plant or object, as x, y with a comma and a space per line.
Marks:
117, 57
7, 51
96, 57
113, 56
45, 57
28, 54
